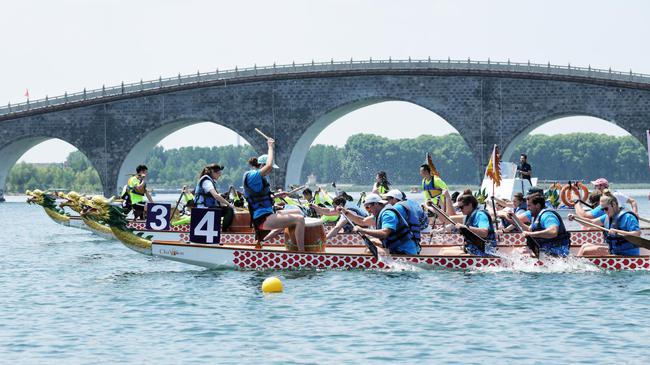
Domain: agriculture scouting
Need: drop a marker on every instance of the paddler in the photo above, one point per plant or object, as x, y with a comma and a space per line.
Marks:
381, 185
206, 194
478, 222
432, 185
390, 227
339, 203
620, 222
547, 227
520, 209
257, 191
137, 188
410, 211
601, 184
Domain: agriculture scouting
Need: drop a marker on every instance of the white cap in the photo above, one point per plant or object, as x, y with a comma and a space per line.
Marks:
374, 198
394, 193
262, 161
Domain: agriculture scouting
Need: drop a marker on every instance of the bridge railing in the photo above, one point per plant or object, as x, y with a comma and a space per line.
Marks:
331, 66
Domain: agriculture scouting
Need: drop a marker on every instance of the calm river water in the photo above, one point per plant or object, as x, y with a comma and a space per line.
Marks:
70, 297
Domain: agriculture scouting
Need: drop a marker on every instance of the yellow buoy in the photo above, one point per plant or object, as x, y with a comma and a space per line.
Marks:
272, 285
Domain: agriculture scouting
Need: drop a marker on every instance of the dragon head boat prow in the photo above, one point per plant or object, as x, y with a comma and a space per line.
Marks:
105, 211
73, 200
48, 202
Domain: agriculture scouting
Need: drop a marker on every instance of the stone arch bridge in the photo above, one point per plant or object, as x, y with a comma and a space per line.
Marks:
487, 102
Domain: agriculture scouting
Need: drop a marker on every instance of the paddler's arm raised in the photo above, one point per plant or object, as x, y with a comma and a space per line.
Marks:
266, 169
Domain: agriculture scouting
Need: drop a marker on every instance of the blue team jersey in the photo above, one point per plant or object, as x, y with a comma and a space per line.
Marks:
627, 223
597, 212
480, 221
254, 181
388, 219
547, 221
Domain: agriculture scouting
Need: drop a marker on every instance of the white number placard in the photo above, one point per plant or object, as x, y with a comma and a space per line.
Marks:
205, 225
158, 216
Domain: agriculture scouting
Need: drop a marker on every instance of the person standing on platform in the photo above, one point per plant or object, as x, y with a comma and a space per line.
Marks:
382, 185
137, 188
524, 169
432, 185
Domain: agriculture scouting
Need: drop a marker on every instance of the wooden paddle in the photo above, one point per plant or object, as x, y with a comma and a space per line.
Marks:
530, 241
639, 241
262, 134
178, 201
371, 246
472, 237
296, 189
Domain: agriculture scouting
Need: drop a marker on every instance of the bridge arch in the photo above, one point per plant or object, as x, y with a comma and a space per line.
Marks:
138, 152
321, 122
13, 151
509, 150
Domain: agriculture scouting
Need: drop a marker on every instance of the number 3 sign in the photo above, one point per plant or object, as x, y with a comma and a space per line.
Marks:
205, 225
158, 216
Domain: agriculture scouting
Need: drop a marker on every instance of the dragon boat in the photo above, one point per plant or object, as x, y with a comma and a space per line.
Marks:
76, 203
350, 255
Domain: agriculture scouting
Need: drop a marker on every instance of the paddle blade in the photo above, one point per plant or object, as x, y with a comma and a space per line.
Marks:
473, 238
639, 241
371, 246
533, 245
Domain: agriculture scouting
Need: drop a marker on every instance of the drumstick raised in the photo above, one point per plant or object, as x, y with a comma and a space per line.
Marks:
262, 134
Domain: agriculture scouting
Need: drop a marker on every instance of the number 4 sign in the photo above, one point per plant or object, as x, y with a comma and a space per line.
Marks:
205, 225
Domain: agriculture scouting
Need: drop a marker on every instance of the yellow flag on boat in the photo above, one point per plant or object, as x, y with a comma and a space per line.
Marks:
432, 167
493, 170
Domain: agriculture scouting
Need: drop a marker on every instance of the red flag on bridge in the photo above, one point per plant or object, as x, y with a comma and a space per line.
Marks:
27, 93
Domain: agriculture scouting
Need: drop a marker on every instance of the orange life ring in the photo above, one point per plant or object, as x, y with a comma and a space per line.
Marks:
556, 186
580, 190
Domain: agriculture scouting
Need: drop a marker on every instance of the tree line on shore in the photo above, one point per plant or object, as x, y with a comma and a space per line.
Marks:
560, 157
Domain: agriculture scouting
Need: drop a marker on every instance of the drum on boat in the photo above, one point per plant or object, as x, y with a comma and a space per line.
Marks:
315, 237
241, 223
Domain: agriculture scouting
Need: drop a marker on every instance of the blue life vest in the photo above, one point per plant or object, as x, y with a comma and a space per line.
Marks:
414, 215
434, 192
558, 246
490, 240
258, 199
398, 240
618, 245
204, 198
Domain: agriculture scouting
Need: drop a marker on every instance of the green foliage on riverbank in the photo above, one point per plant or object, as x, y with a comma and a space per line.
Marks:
562, 157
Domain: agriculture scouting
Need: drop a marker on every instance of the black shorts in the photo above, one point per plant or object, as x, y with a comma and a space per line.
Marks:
138, 211
260, 233
259, 221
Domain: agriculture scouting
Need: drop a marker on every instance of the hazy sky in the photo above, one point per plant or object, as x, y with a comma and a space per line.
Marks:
55, 46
